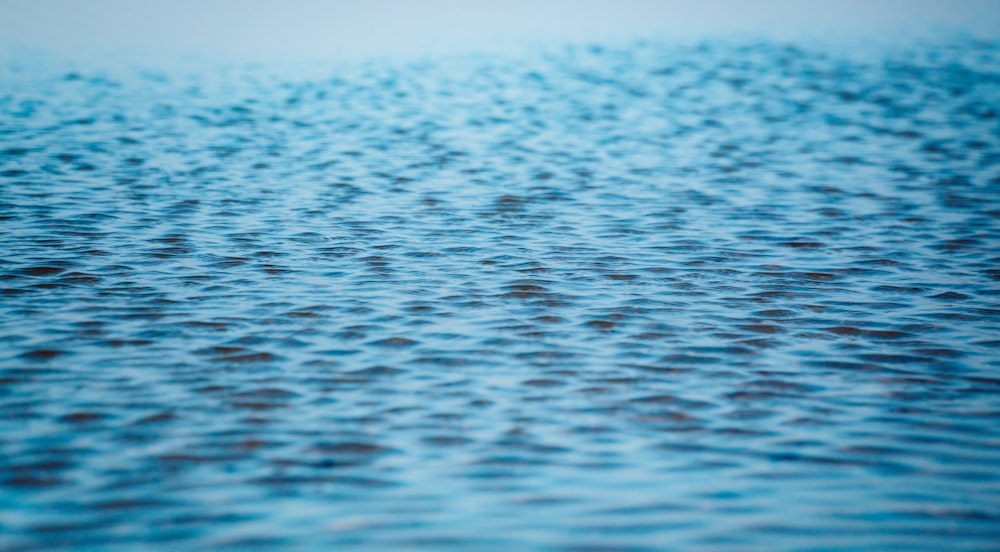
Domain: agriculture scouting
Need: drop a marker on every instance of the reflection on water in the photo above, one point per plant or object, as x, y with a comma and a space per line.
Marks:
637, 298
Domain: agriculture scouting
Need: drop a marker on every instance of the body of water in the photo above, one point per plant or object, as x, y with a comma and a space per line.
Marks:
642, 296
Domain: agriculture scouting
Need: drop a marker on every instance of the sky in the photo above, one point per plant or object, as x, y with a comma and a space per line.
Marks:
319, 29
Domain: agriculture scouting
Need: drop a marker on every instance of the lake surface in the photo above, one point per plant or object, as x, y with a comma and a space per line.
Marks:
734, 295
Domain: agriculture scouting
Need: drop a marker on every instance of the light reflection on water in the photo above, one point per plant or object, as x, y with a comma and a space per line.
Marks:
733, 294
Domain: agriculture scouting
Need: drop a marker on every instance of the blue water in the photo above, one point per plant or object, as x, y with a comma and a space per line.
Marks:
725, 296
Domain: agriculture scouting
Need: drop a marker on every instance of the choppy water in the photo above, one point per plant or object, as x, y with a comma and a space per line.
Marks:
652, 297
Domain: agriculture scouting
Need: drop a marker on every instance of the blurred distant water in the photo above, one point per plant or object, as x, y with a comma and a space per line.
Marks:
644, 296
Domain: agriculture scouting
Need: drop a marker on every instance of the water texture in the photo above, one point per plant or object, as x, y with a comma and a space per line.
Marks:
724, 296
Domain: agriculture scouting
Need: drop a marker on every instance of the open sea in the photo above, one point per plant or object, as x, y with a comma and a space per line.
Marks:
727, 295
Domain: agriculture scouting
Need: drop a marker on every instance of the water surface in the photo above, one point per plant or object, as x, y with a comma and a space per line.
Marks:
732, 295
